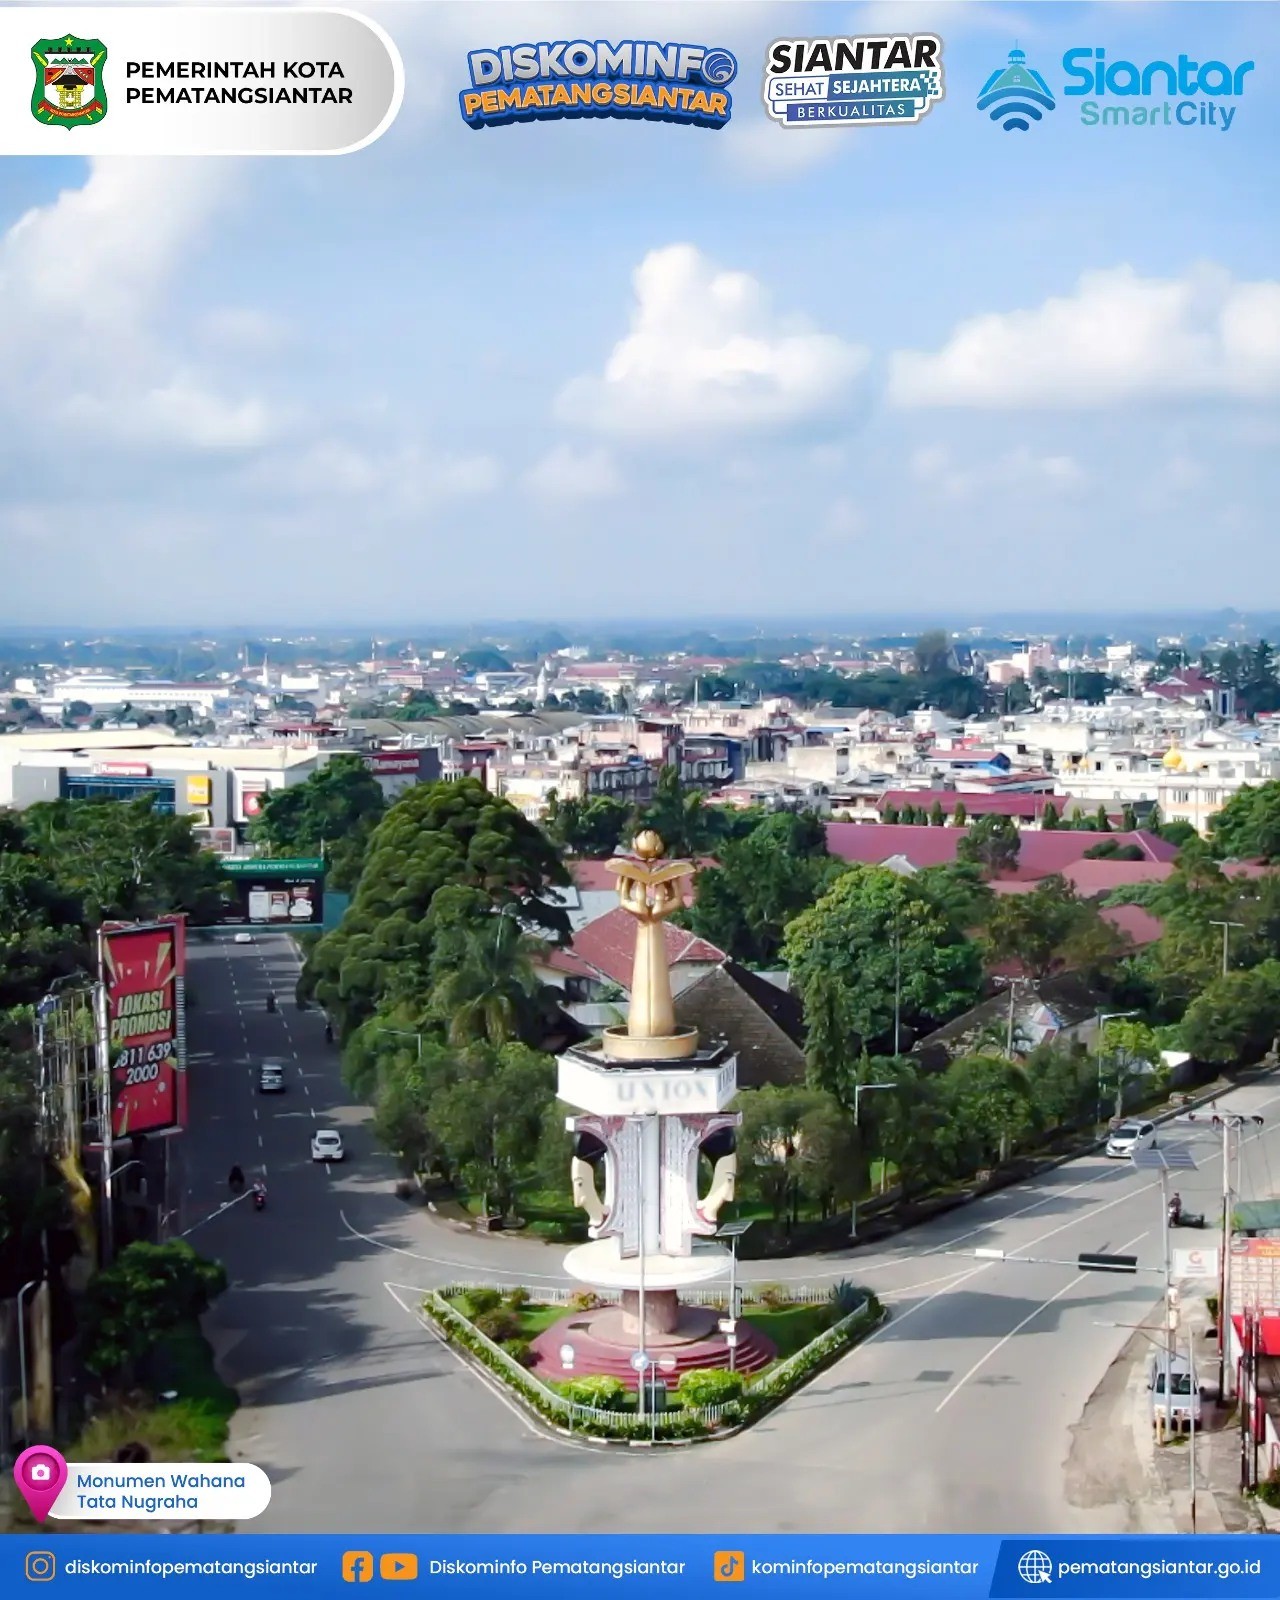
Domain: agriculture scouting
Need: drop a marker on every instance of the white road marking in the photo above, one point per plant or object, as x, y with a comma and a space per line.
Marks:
996, 1348
259, 1141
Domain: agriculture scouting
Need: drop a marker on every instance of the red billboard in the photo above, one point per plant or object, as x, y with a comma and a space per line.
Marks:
143, 968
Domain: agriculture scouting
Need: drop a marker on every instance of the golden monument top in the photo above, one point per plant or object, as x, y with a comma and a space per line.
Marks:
650, 889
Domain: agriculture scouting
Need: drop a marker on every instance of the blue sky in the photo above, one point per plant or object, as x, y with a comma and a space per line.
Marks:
579, 368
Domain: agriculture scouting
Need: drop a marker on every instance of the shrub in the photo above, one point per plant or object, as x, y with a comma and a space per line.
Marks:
602, 1392
773, 1297
709, 1386
1211, 1306
475, 1302
520, 1350
499, 1324
517, 1299
584, 1300
1269, 1490
846, 1297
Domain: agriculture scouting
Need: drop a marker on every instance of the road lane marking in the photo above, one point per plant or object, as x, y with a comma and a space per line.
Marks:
1013, 1332
259, 1141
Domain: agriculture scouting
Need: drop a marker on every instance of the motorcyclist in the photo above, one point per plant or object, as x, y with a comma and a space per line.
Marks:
271, 1002
259, 1195
328, 1032
1175, 1208
236, 1178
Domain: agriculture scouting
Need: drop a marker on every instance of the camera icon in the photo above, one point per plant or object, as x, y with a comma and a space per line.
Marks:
40, 1565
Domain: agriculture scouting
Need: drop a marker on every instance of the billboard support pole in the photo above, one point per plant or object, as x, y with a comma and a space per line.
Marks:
106, 1129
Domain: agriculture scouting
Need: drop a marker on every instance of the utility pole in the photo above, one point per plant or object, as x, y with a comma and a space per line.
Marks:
1226, 935
858, 1091
106, 1130
897, 999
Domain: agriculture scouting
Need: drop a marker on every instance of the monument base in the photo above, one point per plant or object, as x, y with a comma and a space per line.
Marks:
602, 1265
603, 1345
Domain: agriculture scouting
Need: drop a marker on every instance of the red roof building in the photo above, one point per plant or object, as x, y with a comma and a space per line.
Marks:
1040, 854
608, 946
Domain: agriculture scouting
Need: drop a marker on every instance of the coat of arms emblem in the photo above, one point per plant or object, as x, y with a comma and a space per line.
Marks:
69, 90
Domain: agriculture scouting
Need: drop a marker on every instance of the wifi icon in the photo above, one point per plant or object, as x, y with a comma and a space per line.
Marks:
1016, 95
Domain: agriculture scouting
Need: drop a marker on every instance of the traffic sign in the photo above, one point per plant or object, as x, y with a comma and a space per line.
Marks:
567, 1354
640, 1361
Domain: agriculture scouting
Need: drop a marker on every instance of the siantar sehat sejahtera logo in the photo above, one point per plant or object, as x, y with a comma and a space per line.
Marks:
816, 82
635, 78
69, 91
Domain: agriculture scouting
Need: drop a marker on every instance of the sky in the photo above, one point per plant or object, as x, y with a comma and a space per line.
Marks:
605, 369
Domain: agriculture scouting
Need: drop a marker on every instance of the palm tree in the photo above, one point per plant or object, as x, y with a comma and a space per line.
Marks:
491, 992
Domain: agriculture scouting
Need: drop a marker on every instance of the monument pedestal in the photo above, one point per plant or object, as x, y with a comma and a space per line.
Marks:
661, 1311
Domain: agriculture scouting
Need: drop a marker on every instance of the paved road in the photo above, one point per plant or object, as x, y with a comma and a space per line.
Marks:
958, 1415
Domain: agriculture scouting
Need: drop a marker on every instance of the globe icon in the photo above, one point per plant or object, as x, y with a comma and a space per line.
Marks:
719, 68
1035, 1567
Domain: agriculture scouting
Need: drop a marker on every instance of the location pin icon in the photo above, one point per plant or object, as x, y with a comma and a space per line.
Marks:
40, 1473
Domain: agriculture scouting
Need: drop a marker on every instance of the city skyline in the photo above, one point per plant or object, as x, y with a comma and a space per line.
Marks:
910, 371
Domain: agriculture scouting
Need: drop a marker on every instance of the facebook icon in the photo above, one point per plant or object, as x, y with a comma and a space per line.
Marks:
357, 1566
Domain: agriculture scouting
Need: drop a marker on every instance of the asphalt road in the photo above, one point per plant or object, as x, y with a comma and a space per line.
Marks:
956, 1416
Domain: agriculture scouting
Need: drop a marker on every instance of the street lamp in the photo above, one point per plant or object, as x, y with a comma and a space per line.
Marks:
1103, 1018
1013, 985
1226, 935
22, 1359
859, 1089
404, 1033
733, 1231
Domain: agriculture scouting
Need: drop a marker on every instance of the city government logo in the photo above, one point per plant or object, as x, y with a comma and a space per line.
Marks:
69, 91
815, 82
633, 79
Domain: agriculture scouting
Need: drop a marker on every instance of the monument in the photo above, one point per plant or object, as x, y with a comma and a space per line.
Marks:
651, 1103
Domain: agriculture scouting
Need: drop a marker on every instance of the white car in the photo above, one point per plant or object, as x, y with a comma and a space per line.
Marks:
327, 1146
1130, 1136
243, 938
1186, 1395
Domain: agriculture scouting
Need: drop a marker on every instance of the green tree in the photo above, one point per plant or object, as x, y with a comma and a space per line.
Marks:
1128, 819
874, 934
339, 806
992, 843
592, 827
1102, 822
1236, 1018
1248, 826
1050, 929
959, 816
761, 883
490, 1120
1127, 1047
681, 817
32, 1200
484, 987
484, 658
437, 836
150, 1291
1049, 820
937, 818
933, 654
991, 1101
769, 1144
890, 814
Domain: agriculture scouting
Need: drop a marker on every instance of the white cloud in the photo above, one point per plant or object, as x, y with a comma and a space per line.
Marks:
1018, 471
843, 521
943, 18
1117, 337
89, 275
408, 481
568, 474
706, 353
758, 147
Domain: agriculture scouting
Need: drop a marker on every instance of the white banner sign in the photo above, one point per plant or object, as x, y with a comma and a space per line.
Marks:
1198, 1265
194, 81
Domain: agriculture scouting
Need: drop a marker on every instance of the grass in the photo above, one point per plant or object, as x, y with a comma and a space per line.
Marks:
192, 1427
789, 1328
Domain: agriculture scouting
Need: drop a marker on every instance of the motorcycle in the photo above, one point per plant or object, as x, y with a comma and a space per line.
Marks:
259, 1199
271, 1002
1186, 1219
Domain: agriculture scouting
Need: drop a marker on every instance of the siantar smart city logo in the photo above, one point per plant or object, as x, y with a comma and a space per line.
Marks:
1016, 95
1167, 92
633, 79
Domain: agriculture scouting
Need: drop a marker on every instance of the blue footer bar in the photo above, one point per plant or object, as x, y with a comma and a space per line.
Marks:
1214, 1567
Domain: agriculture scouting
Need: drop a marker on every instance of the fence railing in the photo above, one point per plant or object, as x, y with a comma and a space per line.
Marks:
573, 1413
801, 1294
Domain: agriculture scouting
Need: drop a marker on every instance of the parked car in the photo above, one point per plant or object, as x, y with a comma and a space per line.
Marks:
271, 1078
1131, 1136
243, 938
1186, 1396
327, 1146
